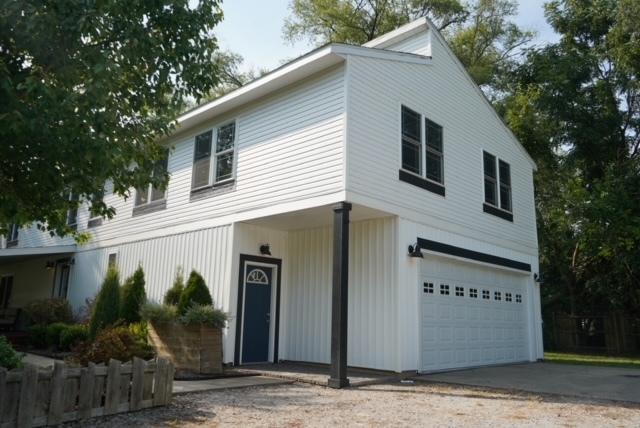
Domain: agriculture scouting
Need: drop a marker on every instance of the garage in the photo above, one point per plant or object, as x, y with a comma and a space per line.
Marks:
471, 315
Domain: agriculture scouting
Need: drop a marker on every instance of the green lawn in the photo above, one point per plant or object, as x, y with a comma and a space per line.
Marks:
593, 360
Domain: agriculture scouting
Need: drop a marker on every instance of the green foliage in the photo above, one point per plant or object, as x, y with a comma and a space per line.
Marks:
37, 335
116, 342
173, 294
133, 296
53, 334
140, 331
94, 110
9, 358
72, 336
106, 309
48, 311
196, 291
204, 314
154, 312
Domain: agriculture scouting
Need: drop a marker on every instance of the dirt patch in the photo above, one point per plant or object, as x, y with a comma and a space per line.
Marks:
299, 405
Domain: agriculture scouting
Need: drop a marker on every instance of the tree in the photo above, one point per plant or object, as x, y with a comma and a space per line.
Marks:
173, 294
196, 291
133, 297
88, 89
106, 310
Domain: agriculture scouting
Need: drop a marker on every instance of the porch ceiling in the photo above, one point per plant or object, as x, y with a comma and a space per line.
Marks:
314, 217
13, 255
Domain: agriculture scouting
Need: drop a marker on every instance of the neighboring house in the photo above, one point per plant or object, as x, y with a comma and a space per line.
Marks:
393, 137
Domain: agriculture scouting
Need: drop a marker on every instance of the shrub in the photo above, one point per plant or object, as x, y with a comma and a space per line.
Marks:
204, 314
72, 336
48, 311
154, 312
53, 333
107, 305
173, 294
140, 331
37, 335
133, 296
115, 342
196, 291
9, 358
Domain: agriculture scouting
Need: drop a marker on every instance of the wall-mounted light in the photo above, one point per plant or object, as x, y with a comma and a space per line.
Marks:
72, 262
265, 250
537, 278
414, 251
49, 265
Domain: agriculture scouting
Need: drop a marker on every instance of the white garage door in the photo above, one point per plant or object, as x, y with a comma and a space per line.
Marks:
471, 315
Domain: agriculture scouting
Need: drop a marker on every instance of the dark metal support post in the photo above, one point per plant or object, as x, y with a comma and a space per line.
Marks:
339, 296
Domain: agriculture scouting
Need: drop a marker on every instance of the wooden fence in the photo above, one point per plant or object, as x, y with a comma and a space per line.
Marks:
33, 397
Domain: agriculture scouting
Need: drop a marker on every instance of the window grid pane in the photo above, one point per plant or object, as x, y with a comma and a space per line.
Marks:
434, 166
411, 156
224, 167
225, 137
201, 170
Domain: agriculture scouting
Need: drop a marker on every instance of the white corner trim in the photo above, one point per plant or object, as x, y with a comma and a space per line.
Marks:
399, 34
376, 53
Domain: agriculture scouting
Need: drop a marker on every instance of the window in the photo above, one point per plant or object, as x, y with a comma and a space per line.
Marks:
507, 297
518, 298
72, 213
150, 193
486, 295
113, 258
434, 151
444, 289
428, 287
422, 152
473, 293
6, 285
497, 295
214, 165
12, 235
95, 219
497, 187
459, 291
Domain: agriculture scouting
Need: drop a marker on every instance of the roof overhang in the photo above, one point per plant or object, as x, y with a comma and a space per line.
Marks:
399, 34
13, 255
295, 71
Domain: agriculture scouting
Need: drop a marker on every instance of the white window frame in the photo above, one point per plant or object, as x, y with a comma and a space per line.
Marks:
149, 191
13, 233
497, 184
93, 217
213, 156
75, 222
423, 147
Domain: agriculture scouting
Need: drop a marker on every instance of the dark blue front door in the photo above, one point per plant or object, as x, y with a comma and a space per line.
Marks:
257, 313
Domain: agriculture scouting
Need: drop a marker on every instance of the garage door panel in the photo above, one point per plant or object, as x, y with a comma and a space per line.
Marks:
471, 315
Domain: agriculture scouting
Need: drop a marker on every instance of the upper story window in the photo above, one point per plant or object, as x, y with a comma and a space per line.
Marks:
213, 163
72, 213
150, 193
12, 235
497, 187
422, 152
95, 219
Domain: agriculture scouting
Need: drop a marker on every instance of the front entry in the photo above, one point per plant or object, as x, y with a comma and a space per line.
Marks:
258, 280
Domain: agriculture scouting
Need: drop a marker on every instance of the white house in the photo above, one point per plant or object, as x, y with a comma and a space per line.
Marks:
380, 170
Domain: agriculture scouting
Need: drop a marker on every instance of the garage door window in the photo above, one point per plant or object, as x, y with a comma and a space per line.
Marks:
497, 295
518, 298
460, 291
507, 297
444, 289
473, 293
486, 295
428, 287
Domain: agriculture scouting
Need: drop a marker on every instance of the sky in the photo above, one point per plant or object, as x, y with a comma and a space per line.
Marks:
253, 28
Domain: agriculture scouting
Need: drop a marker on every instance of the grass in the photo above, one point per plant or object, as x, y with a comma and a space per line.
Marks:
592, 360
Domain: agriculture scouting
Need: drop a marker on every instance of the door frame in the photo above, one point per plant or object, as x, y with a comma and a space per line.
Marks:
277, 263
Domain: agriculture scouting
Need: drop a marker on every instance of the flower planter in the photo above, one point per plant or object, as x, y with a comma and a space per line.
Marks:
194, 348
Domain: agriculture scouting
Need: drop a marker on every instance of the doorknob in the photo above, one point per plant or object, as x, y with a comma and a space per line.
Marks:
268, 317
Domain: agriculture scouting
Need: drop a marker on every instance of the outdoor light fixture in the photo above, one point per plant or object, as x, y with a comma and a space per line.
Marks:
537, 278
414, 251
72, 262
265, 250
49, 265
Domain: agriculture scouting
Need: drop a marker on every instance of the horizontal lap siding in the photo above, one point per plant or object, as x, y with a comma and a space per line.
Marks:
372, 295
443, 94
289, 148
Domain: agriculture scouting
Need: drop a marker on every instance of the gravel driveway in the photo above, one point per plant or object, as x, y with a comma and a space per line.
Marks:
299, 405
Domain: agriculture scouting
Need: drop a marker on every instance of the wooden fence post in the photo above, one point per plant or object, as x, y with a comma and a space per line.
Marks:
168, 392
160, 382
112, 400
87, 381
137, 383
28, 393
56, 399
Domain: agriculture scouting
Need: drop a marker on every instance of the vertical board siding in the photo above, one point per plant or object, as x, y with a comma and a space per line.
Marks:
289, 148
443, 93
208, 251
372, 295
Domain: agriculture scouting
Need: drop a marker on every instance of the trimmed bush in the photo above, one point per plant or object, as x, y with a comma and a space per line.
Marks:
173, 294
140, 331
196, 291
154, 312
53, 333
204, 314
133, 296
37, 335
9, 358
117, 342
72, 336
106, 309
48, 311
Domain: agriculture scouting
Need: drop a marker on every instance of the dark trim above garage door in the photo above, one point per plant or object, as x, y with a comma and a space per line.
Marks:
439, 247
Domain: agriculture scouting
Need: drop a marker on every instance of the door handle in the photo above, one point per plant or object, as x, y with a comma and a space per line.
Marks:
268, 317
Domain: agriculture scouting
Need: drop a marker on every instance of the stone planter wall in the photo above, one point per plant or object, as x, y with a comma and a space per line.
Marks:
195, 348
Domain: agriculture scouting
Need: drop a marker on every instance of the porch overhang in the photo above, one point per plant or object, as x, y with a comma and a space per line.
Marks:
14, 255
